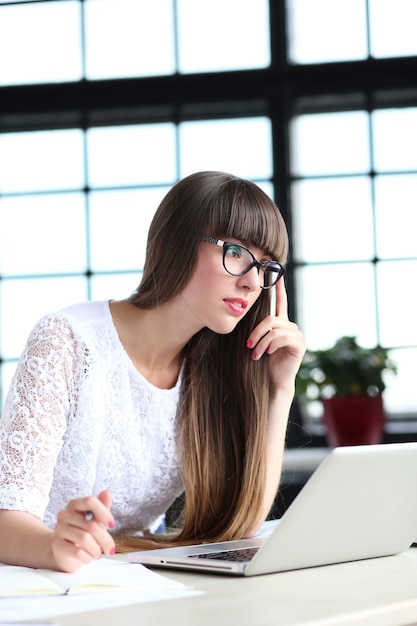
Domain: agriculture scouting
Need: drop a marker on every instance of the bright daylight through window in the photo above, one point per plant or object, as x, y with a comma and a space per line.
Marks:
118, 99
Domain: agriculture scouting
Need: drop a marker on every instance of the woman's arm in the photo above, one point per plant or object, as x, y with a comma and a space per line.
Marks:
25, 540
277, 427
41, 396
283, 343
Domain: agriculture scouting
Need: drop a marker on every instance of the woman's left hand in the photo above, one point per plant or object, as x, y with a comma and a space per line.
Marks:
281, 340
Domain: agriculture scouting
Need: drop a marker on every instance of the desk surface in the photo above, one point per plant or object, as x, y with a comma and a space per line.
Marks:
377, 592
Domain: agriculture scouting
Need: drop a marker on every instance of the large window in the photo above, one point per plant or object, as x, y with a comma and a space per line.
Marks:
104, 104
355, 219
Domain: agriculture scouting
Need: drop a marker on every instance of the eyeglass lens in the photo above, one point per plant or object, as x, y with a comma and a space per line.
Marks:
237, 261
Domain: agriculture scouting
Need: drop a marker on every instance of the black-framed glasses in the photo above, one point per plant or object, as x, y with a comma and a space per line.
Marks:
238, 260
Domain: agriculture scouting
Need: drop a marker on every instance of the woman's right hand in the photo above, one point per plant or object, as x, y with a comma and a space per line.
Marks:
76, 540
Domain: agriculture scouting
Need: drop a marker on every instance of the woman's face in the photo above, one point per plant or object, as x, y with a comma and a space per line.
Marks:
214, 298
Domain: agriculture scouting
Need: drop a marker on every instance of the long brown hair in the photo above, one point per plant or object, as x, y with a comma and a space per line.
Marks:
223, 409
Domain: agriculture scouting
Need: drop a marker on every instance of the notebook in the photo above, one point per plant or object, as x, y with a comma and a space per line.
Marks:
360, 503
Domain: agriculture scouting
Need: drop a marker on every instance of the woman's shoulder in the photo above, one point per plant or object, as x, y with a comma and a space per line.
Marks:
78, 315
87, 312
74, 320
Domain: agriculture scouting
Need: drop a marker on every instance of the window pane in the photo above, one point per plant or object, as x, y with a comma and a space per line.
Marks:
336, 300
393, 27
400, 394
129, 38
267, 187
324, 30
30, 299
333, 219
42, 234
396, 216
395, 139
239, 146
397, 302
7, 372
114, 286
220, 35
40, 161
40, 43
330, 143
119, 227
129, 155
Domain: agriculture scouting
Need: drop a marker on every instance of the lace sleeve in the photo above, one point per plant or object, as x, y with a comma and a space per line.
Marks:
35, 414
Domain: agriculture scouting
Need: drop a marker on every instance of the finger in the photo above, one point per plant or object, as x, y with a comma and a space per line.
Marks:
82, 542
105, 498
90, 536
68, 556
92, 508
262, 336
261, 330
290, 338
281, 300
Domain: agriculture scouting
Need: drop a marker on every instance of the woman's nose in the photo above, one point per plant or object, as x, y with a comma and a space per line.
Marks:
251, 280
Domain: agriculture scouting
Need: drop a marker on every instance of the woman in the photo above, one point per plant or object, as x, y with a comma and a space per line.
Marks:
118, 407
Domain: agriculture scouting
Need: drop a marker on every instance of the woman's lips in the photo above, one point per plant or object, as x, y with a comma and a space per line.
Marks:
237, 305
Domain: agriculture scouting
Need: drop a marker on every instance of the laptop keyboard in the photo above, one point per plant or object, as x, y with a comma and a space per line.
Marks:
243, 554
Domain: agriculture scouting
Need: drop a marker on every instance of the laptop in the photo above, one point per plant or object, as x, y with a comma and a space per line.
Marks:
360, 503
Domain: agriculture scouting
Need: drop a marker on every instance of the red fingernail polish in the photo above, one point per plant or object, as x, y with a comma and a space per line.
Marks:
254, 355
249, 343
112, 524
112, 551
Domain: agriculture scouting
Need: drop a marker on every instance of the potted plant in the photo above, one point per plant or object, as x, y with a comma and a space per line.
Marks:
348, 379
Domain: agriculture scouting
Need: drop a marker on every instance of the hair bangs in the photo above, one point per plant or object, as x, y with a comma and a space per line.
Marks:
248, 214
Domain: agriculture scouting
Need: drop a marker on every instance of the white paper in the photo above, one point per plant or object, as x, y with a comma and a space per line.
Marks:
149, 587
102, 575
31, 608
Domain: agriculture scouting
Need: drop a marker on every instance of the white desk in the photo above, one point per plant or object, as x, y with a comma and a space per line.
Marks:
378, 592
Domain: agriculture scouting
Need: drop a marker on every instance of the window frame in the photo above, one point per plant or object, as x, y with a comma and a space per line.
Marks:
280, 91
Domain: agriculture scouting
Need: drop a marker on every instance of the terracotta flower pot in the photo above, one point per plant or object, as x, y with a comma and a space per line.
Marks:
353, 420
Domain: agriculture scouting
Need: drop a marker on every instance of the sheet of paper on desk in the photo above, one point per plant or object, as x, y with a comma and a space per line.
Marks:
102, 575
129, 584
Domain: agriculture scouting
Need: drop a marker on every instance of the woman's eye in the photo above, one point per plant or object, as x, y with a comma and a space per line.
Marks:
235, 252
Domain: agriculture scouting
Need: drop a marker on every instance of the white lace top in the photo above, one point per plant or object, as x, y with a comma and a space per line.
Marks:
80, 418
